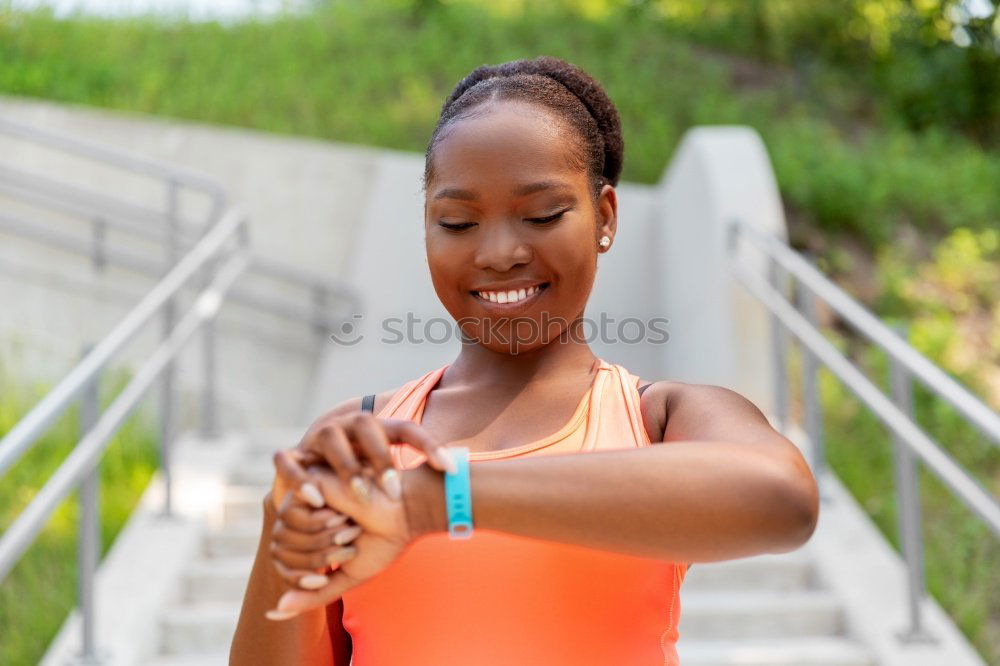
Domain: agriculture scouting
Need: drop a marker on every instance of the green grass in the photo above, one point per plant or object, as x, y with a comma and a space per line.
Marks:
377, 73
40, 591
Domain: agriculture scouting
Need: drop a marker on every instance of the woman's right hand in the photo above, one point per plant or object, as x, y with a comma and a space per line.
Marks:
356, 447
306, 543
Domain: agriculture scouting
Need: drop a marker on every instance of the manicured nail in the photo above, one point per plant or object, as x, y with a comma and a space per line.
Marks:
313, 581
446, 460
312, 495
339, 519
347, 535
391, 484
341, 555
360, 488
287, 602
280, 615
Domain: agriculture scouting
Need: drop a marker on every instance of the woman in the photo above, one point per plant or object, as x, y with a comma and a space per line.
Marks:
584, 524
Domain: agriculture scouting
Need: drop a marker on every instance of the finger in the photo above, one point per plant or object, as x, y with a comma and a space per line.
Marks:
302, 578
298, 601
295, 478
336, 447
303, 542
313, 561
398, 430
302, 518
337, 495
374, 445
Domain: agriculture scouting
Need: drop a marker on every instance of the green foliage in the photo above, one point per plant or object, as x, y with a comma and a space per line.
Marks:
40, 590
951, 302
927, 62
377, 73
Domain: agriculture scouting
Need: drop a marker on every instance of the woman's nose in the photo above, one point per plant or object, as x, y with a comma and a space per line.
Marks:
501, 249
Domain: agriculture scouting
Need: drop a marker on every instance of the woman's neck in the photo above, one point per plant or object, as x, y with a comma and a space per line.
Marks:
556, 362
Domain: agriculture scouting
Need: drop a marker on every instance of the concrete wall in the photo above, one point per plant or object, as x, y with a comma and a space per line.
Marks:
303, 199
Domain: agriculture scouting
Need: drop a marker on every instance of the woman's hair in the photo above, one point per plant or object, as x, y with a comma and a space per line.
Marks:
565, 89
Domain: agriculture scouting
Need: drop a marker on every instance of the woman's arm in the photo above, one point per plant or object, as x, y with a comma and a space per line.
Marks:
726, 486
304, 639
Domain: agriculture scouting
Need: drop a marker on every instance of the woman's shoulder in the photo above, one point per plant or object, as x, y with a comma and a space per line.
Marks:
696, 410
353, 405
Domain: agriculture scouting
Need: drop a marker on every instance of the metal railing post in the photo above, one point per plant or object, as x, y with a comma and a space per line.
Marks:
779, 347
320, 305
811, 402
89, 538
167, 383
908, 503
209, 416
99, 249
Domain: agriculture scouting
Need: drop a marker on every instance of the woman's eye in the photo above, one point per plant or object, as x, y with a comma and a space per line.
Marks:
550, 218
455, 227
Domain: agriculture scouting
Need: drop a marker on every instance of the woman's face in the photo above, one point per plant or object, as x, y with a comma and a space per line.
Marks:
506, 211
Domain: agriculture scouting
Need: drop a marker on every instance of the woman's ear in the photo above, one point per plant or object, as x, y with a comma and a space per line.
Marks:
607, 213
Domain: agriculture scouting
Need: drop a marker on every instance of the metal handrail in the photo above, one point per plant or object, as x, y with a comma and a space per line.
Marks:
16, 539
101, 209
190, 253
27, 430
80, 468
909, 440
863, 321
118, 158
319, 317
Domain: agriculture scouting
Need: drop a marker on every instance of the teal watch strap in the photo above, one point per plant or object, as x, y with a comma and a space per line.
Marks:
458, 495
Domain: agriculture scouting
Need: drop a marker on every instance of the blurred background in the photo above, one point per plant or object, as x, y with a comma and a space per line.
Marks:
881, 119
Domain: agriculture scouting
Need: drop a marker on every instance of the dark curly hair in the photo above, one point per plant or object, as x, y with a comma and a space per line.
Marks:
554, 84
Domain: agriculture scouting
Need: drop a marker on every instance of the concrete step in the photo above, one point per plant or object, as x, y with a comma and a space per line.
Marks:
219, 579
735, 615
236, 539
814, 651
257, 470
243, 503
213, 658
774, 572
199, 628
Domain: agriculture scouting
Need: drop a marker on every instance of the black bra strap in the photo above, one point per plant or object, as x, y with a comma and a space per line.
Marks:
644, 387
368, 403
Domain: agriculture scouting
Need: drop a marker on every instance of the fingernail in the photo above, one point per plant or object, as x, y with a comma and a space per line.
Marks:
447, 461
346, 536
286, 604
341, 555
392, 485
360, 488
312, 495
280, 615
339, 519
313, 581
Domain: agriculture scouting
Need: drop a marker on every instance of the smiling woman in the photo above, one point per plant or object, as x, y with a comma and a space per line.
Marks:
583, 522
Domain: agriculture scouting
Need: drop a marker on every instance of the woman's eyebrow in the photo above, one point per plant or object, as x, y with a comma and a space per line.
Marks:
520, 190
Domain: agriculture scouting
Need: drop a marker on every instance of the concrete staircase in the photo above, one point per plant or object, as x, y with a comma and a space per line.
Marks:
768, 610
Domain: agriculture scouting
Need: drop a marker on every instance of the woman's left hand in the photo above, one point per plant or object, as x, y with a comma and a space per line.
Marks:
385, 533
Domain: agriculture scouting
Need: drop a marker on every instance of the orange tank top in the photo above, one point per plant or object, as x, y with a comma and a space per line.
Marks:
500, 599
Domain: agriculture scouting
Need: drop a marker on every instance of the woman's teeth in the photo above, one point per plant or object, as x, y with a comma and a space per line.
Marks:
512, 296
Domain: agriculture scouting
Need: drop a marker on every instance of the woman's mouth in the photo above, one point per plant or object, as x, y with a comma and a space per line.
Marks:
512, 299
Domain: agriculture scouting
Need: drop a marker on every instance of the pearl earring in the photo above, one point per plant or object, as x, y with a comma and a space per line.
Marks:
605, 241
